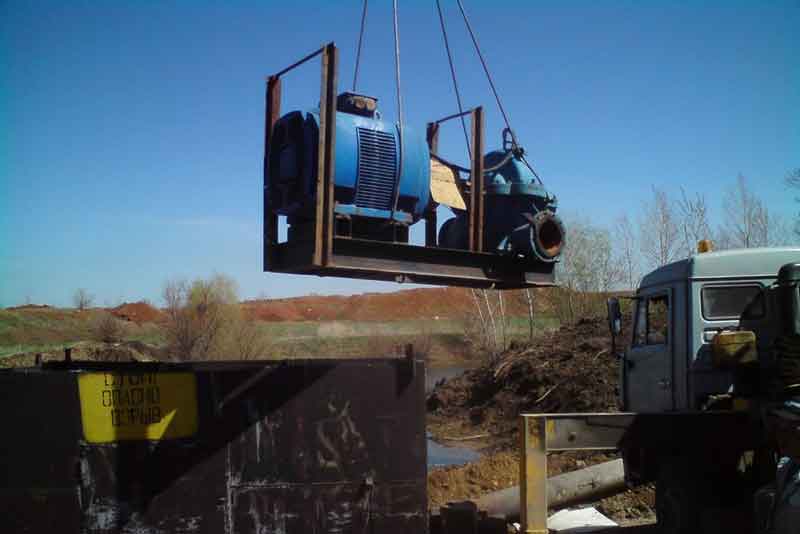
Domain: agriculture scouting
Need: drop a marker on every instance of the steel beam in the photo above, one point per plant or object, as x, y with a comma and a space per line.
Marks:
323, 231
476, 216
533, 475
662, 433
272, 113
432, 134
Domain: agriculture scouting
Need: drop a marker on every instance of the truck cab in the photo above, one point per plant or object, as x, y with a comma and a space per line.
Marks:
677, 312
711, 378
710, 398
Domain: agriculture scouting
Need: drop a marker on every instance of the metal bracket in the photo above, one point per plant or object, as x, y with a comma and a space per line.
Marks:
544, 433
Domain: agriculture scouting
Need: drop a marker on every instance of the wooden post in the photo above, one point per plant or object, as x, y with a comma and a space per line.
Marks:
272, 112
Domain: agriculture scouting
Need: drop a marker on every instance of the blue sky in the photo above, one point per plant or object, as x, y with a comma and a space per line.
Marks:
131, 145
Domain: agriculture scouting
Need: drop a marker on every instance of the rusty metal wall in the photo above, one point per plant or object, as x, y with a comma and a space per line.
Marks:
311, 446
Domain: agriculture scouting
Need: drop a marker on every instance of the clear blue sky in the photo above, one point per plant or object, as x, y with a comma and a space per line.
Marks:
131, 140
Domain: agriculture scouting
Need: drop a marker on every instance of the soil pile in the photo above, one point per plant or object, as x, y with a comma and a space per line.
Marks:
567, 370
29, 307
90, 351
409, 304
501, 470
138, 312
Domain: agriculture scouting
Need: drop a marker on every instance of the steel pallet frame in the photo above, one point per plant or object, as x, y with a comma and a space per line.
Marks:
325, 253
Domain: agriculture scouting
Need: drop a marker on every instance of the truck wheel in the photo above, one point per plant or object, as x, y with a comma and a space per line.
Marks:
679, 500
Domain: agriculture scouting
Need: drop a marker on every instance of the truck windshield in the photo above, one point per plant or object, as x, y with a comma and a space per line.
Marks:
732, 302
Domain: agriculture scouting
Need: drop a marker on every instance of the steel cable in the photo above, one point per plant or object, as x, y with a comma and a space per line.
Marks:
491, 83
483, 62
360, 39
453, 76
399, 107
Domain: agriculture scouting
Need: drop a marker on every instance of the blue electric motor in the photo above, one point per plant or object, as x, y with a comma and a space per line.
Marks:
520, 212
369, 155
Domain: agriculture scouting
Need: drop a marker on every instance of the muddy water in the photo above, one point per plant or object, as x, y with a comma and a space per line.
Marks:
439, 455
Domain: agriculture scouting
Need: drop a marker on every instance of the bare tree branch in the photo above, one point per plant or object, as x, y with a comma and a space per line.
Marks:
588, 267
625, 243
694, 224
529, 298
659, 241
793, 181
82, 299
202, 318
747, 221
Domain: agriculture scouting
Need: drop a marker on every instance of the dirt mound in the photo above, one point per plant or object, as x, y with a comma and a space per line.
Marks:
427, 303
138, 312
501, 470
567, 370
29, 307
91, 351
407, 304
489, 473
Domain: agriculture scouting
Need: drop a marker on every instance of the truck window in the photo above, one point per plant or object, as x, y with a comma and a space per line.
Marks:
658, 320
730, 302
651, 325
640, 323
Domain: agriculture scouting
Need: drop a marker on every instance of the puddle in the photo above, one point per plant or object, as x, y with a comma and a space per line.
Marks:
440, 455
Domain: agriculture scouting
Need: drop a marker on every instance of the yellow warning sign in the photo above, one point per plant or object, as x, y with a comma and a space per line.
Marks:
137, 406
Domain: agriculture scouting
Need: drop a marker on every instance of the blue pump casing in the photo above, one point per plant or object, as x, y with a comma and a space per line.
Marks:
521, 219
367, 157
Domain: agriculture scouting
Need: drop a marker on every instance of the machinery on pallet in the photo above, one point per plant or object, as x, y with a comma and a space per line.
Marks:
349, 185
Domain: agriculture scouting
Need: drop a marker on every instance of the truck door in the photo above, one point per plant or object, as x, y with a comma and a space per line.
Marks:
648, 362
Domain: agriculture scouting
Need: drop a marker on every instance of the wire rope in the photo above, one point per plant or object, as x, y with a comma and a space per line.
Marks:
453, 76
399, 106
483, 63
360, 40
494, 89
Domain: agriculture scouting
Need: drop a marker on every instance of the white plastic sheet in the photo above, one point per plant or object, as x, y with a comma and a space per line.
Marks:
578, 521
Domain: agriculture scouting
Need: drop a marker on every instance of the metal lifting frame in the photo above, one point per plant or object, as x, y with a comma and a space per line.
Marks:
328, 254
475, 208
323, 233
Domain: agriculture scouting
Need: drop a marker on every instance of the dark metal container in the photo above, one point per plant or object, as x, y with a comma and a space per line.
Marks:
301, 446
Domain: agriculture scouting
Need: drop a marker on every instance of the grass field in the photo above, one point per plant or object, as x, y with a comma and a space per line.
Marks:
34, 329
51, 329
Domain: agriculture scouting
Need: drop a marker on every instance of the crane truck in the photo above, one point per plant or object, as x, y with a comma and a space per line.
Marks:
709, 389
718, 332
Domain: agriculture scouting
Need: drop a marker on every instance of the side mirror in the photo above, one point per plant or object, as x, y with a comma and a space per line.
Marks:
614, 316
